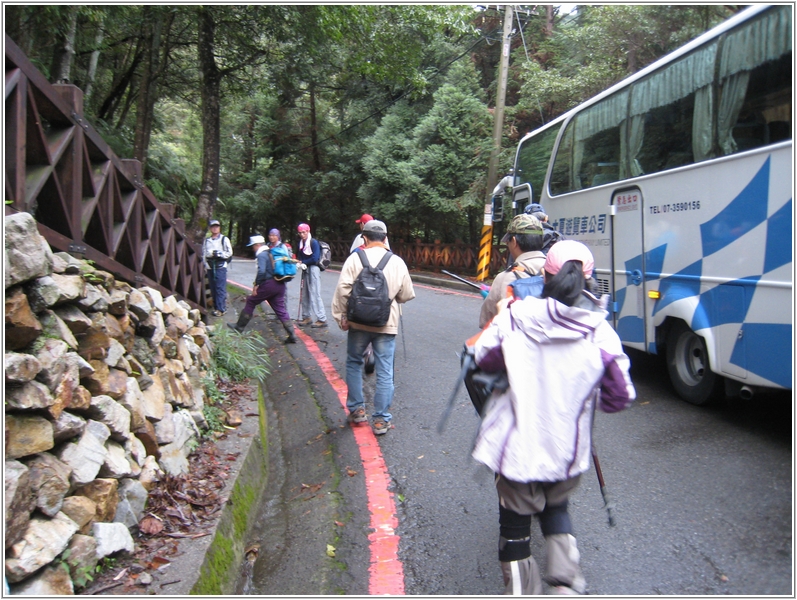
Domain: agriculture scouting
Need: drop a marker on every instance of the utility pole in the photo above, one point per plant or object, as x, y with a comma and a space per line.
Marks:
485, 246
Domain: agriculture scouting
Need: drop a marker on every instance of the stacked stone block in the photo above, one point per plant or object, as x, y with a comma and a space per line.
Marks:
104, 394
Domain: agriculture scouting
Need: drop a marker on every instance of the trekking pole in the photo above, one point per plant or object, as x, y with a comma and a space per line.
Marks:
403, 337
466, 363
301, 288
607, 503
483, 289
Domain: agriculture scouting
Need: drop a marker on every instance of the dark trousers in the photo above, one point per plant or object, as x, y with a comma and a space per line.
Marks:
217, 280
270, 291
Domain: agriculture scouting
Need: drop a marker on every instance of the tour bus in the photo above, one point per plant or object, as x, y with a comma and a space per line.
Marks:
679, 179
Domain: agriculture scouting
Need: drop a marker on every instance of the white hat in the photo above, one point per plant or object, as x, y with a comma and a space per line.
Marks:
256, 239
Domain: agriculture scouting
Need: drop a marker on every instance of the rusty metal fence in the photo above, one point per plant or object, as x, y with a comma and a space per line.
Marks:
86, 200
461, 259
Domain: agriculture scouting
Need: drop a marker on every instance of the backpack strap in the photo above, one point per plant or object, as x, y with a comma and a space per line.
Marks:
383, 263
363, 258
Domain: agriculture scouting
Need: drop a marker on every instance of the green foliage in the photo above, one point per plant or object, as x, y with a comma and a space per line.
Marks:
239, 357
214, 416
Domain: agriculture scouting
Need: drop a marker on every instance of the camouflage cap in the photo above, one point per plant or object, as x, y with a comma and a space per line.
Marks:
523, 224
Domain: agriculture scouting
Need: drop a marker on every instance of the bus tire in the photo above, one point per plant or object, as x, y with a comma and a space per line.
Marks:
688, 366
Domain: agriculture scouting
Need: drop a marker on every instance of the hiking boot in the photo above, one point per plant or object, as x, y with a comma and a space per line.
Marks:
357, 416
304, 322
243, 321
319, 324
291, 339
380, 427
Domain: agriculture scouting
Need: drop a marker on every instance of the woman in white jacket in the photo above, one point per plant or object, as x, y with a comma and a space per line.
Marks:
563, 360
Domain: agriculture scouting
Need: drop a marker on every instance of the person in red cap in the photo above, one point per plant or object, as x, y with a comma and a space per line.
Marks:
359, 242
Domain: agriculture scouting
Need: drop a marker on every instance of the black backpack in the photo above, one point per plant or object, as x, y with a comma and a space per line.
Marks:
369, 303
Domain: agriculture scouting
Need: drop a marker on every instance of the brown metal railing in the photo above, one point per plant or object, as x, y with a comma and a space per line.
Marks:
86, 200
461, 259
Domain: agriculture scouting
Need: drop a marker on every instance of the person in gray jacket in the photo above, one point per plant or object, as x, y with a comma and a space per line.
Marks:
523, 239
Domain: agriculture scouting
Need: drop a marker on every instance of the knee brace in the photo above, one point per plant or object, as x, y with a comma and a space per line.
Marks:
555, 519
515, 532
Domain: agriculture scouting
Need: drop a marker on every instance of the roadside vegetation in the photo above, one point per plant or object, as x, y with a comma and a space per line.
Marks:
267, 115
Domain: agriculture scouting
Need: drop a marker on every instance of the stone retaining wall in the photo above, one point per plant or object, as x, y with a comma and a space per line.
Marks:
104, 394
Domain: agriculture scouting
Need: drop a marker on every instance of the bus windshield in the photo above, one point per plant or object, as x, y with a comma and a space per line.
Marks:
532, 159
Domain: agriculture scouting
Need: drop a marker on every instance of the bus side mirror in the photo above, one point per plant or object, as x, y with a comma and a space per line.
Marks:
522, 195
498, 208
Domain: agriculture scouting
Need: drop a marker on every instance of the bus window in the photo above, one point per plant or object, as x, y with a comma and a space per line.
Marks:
668, 136
533, 158
671, 122
754, 106
590, 150
561, 180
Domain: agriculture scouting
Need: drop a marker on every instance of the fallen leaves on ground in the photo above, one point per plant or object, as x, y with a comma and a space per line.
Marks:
178, 507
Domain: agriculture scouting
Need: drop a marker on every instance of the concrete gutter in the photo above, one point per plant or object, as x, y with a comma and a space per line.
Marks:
211, 564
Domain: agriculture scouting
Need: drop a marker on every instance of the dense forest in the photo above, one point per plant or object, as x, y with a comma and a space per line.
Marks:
268, 115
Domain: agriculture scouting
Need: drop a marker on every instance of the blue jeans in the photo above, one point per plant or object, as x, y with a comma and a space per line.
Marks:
312, 304
384, 345
217, 280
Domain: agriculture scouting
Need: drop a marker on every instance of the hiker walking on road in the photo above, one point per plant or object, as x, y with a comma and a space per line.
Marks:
382, 338
216, 252
523, 239
310, 255
267, 289
563, 360
359, 241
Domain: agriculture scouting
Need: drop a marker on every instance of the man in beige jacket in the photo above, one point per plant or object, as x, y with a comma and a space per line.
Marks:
524, 240
382, 339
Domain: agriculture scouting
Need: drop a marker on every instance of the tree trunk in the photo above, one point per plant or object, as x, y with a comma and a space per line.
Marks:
113, 100
145, 109
95, 58
314, 130
211, 102
65, 48
549, 20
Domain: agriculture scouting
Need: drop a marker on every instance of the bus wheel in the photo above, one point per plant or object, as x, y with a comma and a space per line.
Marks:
688, 366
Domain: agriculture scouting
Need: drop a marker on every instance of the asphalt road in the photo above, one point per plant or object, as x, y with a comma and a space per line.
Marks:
703, 495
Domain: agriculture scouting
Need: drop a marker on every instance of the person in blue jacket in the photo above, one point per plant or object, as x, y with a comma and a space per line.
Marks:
310, 255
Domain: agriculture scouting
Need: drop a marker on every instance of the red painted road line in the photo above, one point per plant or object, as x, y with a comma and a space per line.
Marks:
386, 571
240, 285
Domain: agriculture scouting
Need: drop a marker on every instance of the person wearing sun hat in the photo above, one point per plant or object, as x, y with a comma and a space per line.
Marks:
523, 239
359, 242
563, 360
216, 252
266, 289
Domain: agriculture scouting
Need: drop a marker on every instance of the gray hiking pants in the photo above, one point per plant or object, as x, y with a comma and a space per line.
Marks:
523, 576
